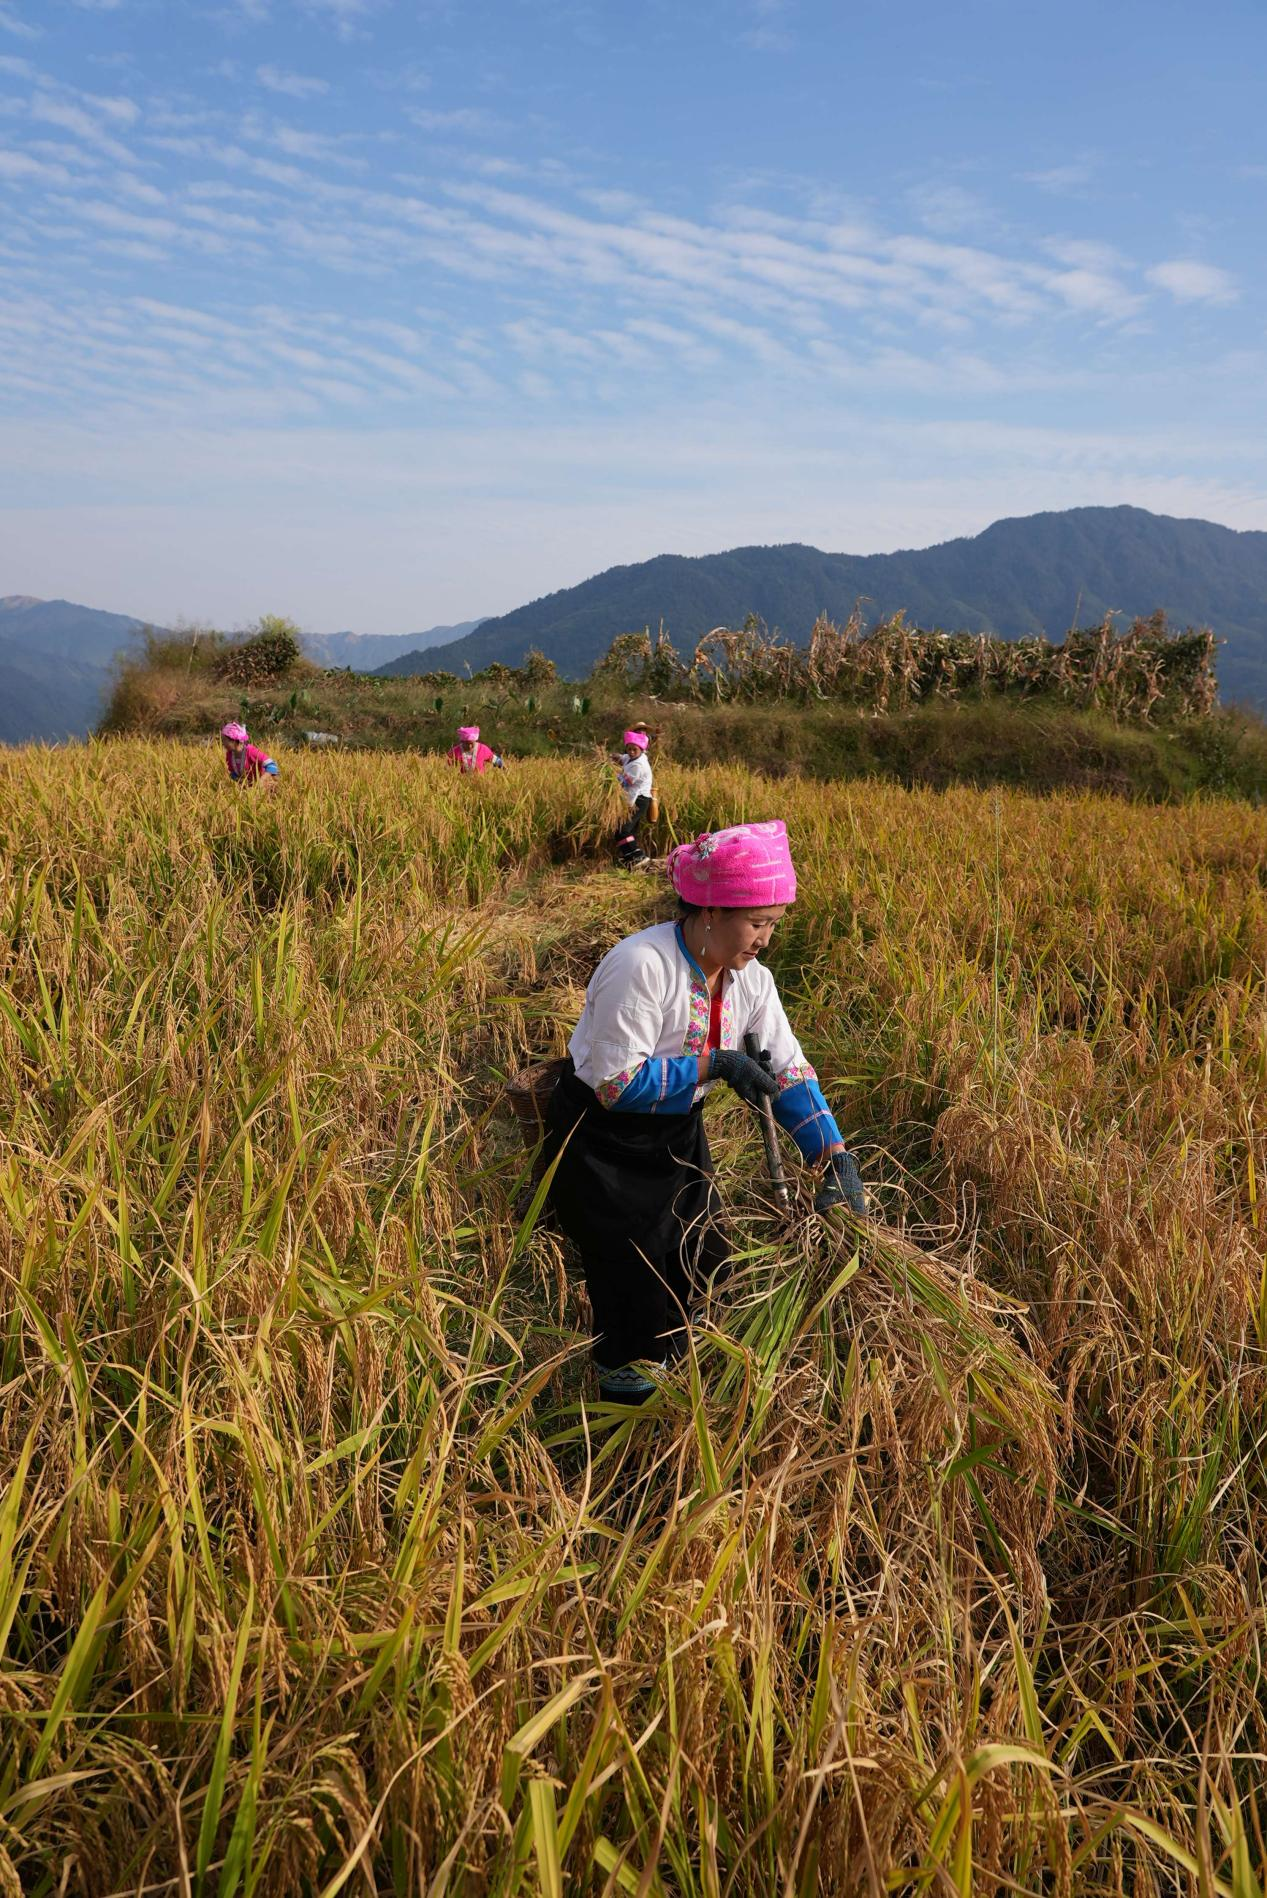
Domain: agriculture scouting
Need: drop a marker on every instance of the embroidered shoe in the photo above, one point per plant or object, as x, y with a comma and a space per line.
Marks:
625, 1383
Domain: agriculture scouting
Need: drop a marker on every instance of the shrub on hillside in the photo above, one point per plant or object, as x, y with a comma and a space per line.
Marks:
143, 700
536, 672
268, 652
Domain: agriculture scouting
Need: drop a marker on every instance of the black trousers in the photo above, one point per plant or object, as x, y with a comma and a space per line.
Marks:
627, 830
635, 1194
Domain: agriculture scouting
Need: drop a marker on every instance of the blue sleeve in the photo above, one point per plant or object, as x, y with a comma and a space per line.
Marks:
663, 1085
802, 1112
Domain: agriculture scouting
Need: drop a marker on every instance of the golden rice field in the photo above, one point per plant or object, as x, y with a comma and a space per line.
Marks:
320, 1569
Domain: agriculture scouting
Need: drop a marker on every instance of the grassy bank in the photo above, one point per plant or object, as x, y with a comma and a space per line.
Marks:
319, 1568
1040, 743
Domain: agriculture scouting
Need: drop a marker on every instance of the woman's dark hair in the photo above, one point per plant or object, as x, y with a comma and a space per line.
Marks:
686, 910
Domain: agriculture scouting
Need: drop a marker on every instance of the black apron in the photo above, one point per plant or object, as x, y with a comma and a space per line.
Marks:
635, 1194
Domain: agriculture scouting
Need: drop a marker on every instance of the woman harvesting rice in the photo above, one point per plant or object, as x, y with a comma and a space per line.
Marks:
633, 772
665, 1016
245, 762
470, 756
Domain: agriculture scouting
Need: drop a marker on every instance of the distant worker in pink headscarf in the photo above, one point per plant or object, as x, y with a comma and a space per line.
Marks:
633, 772
470, 756
665, 1017
245, 762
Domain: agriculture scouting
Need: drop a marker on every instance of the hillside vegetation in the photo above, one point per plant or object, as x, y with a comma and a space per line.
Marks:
936, 1567
1131, 711
1025, 578
56, 660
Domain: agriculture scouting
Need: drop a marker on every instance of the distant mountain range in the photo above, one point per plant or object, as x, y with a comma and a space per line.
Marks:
1039, 574
55, 660
54, 665
377, 652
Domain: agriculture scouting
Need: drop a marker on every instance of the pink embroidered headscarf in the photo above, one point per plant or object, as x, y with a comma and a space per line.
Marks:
637, 741
741, 868
469, 734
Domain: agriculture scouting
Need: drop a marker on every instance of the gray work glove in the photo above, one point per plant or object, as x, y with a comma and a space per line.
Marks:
842, 1186
748, 1078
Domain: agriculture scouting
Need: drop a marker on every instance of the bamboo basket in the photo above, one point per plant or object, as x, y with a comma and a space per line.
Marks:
529, 1093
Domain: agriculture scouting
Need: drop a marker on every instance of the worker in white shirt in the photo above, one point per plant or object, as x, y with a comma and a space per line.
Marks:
633, 771
666, 1016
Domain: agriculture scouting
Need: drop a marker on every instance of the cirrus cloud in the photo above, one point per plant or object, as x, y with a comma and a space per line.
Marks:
292, 85
1190, 281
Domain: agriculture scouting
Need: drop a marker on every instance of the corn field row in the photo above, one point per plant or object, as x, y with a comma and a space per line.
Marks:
1144, 672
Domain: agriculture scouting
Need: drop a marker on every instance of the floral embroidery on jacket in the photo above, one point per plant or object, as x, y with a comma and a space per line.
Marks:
794, 1074
701, 1005
609, 1092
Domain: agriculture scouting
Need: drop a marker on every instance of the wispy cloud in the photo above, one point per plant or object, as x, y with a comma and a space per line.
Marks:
12, 22
472, 119
1068, 180
113, 217
1086, 253
21, 166
766, 25
137, 190
786, 292
1095, 279
1190, 281
120, 111
346, 16
951, 209
292, 84
1094, 293
51, 109
409, 76
318, 147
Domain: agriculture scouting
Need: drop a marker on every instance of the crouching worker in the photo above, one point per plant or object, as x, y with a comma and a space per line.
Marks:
633, 770
245, 762
470, 756
664, 1019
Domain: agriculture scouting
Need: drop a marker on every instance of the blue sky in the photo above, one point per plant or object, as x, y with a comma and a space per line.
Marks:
388, 312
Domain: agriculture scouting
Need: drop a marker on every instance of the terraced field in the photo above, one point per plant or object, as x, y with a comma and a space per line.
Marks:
937, 1565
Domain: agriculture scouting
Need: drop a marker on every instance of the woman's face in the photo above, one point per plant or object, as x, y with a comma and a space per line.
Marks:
237, 749
737, 937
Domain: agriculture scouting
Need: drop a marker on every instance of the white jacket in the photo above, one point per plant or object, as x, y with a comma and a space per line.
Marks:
648, 999
635, 776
